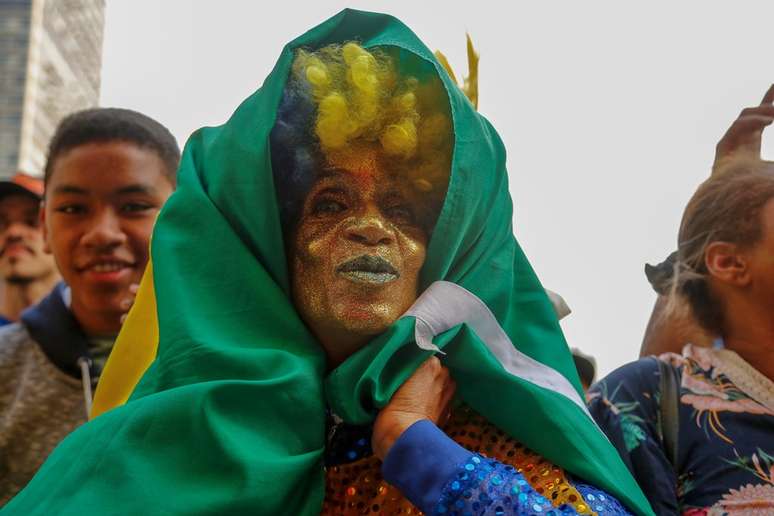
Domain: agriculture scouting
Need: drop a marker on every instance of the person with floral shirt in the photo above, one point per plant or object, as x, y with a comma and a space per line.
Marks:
713, 453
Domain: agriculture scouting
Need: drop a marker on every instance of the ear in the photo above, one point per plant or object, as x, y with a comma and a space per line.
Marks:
43, 228
727, 263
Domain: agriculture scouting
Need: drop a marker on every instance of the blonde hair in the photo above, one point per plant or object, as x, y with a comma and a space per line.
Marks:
726, 208
363, 98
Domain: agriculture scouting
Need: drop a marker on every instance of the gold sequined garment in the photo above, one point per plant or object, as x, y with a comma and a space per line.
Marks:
358, 487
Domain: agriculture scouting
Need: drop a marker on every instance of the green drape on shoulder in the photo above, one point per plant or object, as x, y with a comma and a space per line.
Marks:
230, 416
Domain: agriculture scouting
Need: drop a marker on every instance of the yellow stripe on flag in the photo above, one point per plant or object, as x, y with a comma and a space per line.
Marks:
133, 352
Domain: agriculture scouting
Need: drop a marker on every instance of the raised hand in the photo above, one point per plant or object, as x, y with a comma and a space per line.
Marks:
743, 138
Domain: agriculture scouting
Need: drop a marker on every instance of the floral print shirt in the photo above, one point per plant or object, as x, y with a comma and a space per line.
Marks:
725, 445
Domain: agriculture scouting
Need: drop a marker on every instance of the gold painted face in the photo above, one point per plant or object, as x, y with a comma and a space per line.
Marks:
356, 253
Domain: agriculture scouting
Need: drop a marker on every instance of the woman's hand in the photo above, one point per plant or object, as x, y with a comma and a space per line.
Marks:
743, 138
426, 394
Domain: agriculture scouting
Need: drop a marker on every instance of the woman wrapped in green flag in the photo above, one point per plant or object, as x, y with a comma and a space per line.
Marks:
347, 225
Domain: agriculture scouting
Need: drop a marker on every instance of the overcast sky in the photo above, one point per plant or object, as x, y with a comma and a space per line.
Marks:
610, 112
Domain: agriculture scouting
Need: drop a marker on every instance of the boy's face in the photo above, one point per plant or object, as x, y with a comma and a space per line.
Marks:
101, 202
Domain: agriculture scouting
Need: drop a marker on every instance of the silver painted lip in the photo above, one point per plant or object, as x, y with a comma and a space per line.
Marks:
374, 278
368, 268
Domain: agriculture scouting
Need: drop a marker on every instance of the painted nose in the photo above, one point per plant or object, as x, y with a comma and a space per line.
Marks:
105, 232
370, 229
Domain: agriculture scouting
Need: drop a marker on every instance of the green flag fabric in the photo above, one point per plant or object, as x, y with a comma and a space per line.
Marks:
230, 416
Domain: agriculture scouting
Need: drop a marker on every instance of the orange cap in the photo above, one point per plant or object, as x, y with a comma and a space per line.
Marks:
21, 183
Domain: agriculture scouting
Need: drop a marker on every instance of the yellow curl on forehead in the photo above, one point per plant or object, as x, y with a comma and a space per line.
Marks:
364, 97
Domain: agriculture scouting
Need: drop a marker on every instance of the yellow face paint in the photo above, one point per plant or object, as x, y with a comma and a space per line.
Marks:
357, 252
386, 141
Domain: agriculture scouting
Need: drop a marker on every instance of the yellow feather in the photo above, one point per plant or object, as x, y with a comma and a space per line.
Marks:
470, 84
471, 81
445, 63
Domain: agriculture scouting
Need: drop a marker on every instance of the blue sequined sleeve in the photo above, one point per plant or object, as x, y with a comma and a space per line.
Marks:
441, 477
484, 486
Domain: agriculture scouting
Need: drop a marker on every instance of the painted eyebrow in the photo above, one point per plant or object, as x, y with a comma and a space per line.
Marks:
393, 191
330, 190
329, 180
330, 173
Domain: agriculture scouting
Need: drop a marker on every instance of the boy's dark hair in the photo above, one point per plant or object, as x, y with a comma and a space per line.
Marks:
98, 125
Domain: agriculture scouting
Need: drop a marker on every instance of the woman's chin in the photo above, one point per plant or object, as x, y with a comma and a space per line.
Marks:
369, 319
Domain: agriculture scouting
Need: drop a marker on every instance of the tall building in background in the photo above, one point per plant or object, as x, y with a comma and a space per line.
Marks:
50, 61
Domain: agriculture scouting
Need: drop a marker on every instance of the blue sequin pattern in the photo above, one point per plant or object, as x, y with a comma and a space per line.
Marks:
599, 501
487, 487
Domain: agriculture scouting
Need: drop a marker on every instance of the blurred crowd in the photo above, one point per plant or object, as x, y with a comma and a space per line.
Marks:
692, 417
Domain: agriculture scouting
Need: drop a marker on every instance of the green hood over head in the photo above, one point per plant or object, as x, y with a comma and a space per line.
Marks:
230, 417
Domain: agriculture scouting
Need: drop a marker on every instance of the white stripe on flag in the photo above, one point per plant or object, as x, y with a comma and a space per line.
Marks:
444, 305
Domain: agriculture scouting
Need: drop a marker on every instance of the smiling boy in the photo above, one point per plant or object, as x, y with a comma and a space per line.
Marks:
109, 171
